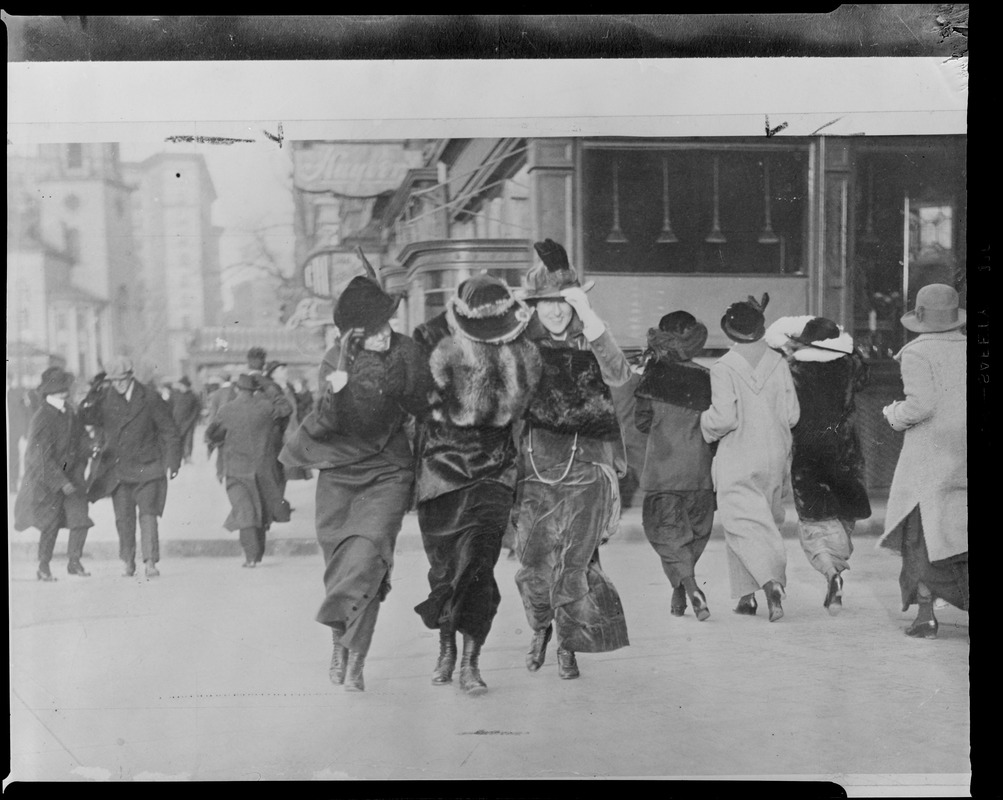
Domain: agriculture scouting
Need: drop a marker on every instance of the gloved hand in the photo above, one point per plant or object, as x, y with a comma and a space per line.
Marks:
69, 489
337, 380
889, 414
592, 326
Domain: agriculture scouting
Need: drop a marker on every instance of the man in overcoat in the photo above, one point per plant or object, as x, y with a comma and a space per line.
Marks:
142, 448
185, 409
53, 494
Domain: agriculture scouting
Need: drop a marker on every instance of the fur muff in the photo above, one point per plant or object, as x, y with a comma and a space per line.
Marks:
679, 384
482, 385
572, 396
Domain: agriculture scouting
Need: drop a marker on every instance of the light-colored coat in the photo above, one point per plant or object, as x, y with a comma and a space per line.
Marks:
932, 470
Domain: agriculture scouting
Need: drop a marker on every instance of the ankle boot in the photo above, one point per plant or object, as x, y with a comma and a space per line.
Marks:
470, 673
774, 597
444, 667
699, 603
339, 660
567, 664
76, 568
677, 607
538, 648
834, 595
44, 573
747, 605
925, 625
354, 681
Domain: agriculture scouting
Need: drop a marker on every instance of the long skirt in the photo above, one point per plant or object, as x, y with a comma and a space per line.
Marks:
678, 526
360, 509
558, 533
462, 533
827, 543
947, 579
755, 548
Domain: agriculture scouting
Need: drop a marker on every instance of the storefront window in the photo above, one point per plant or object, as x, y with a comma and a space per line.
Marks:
728, 209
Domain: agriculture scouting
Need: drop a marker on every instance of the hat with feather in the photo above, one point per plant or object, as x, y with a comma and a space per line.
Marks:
744, 320
547, 280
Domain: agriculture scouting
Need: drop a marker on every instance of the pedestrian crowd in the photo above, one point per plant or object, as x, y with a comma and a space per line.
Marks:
496, 421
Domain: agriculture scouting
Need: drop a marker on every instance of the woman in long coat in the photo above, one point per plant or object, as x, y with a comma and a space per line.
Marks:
679, 503
54, 493
927, 516
356, 438
572, 451
827, 466
753, 408
484, 371
242, 430
185, 410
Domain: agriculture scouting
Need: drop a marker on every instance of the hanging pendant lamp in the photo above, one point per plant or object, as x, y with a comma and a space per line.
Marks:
666, 236
767, 236
716, 236
616, 235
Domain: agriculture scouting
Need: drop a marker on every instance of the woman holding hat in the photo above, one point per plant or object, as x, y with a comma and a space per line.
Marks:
54, 492
483, 373
373, 378
572, 452
679, 503
827, 463
753, 408
927, 516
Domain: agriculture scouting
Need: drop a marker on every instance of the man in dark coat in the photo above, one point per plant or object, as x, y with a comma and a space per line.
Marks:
220, 397
141, 448
185, 409
241, 427
53, 495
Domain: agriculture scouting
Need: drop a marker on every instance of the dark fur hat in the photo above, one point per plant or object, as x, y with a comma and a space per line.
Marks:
744, 320
363, 304
55, 380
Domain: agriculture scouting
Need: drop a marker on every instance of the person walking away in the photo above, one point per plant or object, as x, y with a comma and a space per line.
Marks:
257, 366
484, 372
185, 410
241, 430
572, 451
54, 493
224, 394
927, 517
357, 440
141, 450
827, 464
285, 427
679, 502
753, 408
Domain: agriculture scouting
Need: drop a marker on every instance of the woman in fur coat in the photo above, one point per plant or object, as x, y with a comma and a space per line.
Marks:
356, 438
484, 372
679, 503
753, 408
927, 516
572, 451
827, 466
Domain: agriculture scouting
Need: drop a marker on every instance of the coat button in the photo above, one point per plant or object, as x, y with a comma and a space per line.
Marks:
355, 608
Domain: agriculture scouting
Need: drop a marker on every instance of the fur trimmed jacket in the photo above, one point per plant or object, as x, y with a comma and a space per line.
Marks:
478, 391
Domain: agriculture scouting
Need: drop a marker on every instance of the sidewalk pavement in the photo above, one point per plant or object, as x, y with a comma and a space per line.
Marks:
192, 524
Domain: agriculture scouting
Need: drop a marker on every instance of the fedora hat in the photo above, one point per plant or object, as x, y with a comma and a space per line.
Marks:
936, 310
744, 320
363, 304
54, 381
247, 382
547, 280
485, 310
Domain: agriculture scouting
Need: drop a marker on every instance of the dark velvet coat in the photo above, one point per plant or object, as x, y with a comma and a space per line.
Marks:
141, 443
58, 449
827, 465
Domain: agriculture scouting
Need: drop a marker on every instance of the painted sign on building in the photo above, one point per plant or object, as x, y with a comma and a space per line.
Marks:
358, 169
327, 271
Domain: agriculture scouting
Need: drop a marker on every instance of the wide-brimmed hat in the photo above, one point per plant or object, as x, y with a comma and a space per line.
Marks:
256, 358
271, 366
936, 310
119, 368
485, 310
55, 380
824, 334
247, 382
744, 320
546, 281
363, 304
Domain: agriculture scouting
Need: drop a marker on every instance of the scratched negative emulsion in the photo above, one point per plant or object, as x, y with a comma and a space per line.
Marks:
207, 139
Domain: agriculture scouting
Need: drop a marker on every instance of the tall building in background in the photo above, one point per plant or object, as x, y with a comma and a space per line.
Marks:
179, 288
71, 259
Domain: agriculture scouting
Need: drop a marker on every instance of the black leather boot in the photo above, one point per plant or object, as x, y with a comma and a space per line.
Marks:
444, 667
925, 625
470, 674
567, 664
774, 597
677, 606
538, 648
339, 660
354, 681
747, 605
833, 602
699, 603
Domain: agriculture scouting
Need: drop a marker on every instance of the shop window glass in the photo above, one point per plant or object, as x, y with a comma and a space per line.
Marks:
696, 210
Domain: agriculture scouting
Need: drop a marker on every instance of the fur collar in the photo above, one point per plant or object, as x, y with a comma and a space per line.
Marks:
482, 385
572, 396
677, 346
682, 384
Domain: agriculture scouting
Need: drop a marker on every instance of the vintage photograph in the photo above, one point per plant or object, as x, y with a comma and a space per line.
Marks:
406, 421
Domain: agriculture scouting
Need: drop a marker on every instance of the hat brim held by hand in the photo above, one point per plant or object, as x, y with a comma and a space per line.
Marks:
530, 295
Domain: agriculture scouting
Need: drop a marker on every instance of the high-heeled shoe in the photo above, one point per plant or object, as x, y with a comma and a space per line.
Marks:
538, 648
699, 603
833, 602
677, 607
774, 597
747, 605
923, 630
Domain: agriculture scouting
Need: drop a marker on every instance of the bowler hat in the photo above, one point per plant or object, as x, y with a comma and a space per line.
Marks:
936, 310
484, 310
546, 281
744, 320
363, 304
55, 380
120, 367
247, 382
